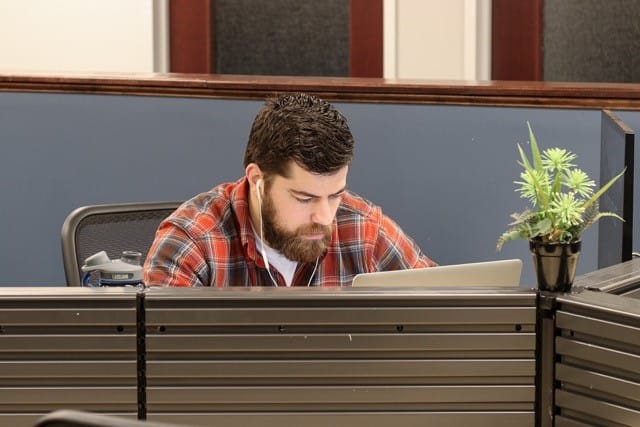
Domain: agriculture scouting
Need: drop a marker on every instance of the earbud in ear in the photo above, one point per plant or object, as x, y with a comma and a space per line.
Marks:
258, 184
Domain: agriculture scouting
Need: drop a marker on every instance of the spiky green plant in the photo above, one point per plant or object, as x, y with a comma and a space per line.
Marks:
562, 198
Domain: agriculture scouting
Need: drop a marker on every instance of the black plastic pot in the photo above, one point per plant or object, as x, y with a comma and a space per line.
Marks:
555, 264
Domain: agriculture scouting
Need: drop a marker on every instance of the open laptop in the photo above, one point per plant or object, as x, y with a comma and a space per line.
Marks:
504, 273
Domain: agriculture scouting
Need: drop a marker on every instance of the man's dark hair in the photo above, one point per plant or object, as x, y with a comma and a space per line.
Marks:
302, 128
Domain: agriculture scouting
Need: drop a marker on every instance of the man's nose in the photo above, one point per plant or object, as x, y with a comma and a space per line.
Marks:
322, 213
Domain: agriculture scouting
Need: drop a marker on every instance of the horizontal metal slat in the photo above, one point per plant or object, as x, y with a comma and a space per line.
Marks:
341, 316
66, 343
65, 369
70, 316
68, 295
63, 396
597, 408
340, 395
597, 327
594, 381
596, 354
339, 342
560, 421
339, 368
370, 419
242, 297
29, 419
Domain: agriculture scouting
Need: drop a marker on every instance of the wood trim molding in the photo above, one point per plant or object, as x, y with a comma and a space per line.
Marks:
624, 96
516, 40
366, 38
191, 36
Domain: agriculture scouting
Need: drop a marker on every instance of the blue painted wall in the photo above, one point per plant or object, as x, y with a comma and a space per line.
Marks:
445, 173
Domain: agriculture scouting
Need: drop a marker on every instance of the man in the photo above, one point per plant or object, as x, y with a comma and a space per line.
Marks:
290, 221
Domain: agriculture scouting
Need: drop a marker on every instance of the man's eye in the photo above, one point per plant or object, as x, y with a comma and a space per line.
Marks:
304, 199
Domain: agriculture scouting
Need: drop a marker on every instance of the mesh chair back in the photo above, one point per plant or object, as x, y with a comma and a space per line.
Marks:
111, 228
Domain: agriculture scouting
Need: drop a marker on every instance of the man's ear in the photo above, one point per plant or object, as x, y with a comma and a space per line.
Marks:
254, 174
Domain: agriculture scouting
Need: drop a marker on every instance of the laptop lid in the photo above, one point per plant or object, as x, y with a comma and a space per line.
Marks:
504, 273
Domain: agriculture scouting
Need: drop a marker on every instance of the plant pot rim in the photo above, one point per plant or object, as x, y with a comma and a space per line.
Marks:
539, 242
554, 247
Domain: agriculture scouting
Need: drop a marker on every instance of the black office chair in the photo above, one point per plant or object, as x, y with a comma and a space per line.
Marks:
111, 228
72, 418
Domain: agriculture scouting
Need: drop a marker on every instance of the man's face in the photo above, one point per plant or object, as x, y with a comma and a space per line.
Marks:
298, 212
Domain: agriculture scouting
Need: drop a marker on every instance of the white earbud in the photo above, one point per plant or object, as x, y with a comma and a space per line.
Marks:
258, 190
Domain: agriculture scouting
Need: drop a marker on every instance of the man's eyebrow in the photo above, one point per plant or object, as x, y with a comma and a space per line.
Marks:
315, 196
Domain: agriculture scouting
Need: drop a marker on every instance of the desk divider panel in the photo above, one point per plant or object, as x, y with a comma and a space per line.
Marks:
71, 348
373, 357
597, 369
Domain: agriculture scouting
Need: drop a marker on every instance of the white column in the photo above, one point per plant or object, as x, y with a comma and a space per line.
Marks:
477, 40
436, 39
161, 36
389, 34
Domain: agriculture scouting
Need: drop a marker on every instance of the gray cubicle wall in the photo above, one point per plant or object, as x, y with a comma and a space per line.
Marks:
73, 348
445, 173
356, 357
597, 370
632, 119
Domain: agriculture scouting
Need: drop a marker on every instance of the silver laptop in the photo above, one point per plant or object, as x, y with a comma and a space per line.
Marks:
504, 273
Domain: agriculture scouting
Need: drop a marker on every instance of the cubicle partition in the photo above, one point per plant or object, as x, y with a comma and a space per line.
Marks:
67, 348
316, 357
597, 369
352, 356
617, 153
273, 357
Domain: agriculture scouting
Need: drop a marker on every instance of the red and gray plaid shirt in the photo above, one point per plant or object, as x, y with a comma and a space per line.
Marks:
209, 241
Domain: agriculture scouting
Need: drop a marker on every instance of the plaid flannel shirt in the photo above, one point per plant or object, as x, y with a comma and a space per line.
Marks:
209, 241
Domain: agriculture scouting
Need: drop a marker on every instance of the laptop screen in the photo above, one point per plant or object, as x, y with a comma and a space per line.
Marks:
504, 273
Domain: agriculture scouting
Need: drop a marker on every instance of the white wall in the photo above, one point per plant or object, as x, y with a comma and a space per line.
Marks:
432, 39
78, 35
437, 39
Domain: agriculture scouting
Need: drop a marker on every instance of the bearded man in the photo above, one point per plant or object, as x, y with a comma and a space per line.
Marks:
290, 220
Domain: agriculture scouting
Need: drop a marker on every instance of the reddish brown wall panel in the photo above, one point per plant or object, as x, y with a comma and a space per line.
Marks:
191, 36
516, 40
366, 38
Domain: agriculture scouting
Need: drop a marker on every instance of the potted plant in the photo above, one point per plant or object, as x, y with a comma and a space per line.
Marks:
562, 205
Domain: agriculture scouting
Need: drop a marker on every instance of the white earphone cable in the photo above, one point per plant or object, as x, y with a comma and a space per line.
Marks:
315, 267
263, 250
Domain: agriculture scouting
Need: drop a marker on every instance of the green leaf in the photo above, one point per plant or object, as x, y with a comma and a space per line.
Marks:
542, 227
525, 161
535, 151
604, 188
557, 183
603, 214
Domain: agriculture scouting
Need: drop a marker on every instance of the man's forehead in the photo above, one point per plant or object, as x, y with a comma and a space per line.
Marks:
295, 170
301, 180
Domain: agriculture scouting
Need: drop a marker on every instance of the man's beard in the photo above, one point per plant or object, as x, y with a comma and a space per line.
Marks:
292, 244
